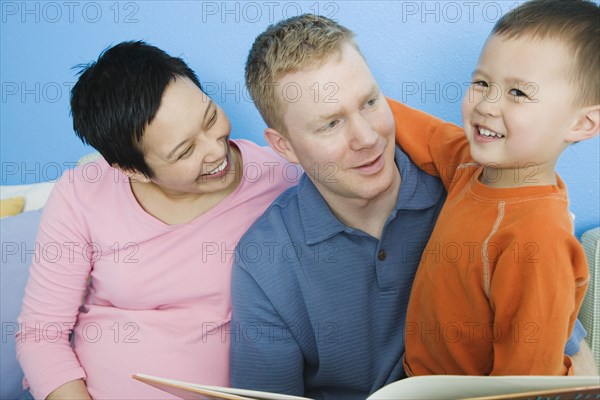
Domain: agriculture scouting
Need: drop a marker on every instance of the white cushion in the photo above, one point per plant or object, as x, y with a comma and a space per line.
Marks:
589, 315
35, 194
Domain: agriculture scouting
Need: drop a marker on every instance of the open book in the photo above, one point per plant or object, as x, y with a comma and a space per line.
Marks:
433, 387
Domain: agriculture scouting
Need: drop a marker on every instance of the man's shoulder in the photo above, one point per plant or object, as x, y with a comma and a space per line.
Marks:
273, 244
428, 188
275, 222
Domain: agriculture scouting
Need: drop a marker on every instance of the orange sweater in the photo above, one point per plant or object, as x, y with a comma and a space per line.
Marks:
502, 277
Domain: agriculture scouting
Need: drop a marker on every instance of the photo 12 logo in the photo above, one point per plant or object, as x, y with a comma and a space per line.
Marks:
52, 12
455, 11
36, 92
267, 11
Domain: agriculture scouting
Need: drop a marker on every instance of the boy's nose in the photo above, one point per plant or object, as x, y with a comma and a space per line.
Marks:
488, 106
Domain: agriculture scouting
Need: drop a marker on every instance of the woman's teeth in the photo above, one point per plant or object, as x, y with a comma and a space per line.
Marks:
219, 168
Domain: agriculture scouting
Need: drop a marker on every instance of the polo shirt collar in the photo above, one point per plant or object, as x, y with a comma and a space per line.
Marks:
316, 217
415, 189
319, 222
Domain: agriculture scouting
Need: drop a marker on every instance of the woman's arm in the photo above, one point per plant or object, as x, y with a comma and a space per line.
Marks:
57, 282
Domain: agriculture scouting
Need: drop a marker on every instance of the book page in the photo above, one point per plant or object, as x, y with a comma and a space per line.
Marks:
193, 391
579, 393
452, 387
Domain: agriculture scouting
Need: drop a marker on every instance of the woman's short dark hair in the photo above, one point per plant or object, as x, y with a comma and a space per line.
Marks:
118, 95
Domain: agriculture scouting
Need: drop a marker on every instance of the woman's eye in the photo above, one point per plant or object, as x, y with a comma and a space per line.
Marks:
186, 154
212, 120
480, 83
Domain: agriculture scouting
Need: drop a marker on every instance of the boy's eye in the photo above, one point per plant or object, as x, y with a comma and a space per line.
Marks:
516, 93
480, 83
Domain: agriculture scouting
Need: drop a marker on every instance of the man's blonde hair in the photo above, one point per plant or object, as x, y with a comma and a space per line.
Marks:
292, 45
576, 23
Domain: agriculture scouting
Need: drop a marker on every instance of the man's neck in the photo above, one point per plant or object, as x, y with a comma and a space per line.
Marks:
369, 215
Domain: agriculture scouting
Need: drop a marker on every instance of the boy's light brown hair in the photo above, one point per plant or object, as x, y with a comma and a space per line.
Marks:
576, 23
292, 45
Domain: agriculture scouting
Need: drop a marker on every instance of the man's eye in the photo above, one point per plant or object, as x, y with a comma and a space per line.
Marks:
332, 124
372, 102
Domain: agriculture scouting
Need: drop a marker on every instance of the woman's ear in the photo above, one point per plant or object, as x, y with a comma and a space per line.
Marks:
281, 145
586, 126
134, 175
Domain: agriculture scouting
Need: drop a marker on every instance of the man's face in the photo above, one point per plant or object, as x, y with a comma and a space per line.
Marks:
340, 128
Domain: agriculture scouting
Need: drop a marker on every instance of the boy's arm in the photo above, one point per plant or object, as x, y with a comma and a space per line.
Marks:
435, 146
536, 290
264, 354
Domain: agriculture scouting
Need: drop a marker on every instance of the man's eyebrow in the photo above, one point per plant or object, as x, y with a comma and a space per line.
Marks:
326, 117
372, 92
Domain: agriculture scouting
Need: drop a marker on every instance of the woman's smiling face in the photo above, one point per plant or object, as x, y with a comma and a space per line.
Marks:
186, 145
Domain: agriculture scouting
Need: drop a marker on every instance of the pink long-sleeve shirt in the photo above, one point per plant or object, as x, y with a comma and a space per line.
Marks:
158, 295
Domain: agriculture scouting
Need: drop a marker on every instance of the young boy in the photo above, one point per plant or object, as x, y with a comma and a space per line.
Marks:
502, 278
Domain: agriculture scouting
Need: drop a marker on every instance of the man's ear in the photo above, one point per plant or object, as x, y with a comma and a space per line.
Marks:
281, 145
587, 124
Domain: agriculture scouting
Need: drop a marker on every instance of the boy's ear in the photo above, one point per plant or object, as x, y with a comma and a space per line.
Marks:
587, 124
281, 145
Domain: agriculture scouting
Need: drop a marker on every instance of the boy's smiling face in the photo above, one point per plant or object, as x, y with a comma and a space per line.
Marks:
520, 107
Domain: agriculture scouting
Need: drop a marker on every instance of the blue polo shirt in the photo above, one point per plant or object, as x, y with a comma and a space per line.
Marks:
319, 307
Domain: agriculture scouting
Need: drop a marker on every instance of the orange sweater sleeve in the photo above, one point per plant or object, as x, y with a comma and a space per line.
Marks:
537, 285
435, 146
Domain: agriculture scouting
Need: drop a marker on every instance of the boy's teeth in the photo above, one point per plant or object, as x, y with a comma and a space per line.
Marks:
488, 133
219, 168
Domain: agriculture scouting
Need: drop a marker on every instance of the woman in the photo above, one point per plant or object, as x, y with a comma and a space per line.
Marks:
145, 236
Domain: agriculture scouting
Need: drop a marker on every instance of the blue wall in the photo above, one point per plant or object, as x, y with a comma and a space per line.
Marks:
421, 53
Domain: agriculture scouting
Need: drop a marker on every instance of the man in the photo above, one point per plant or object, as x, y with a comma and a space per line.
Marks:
321, 281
